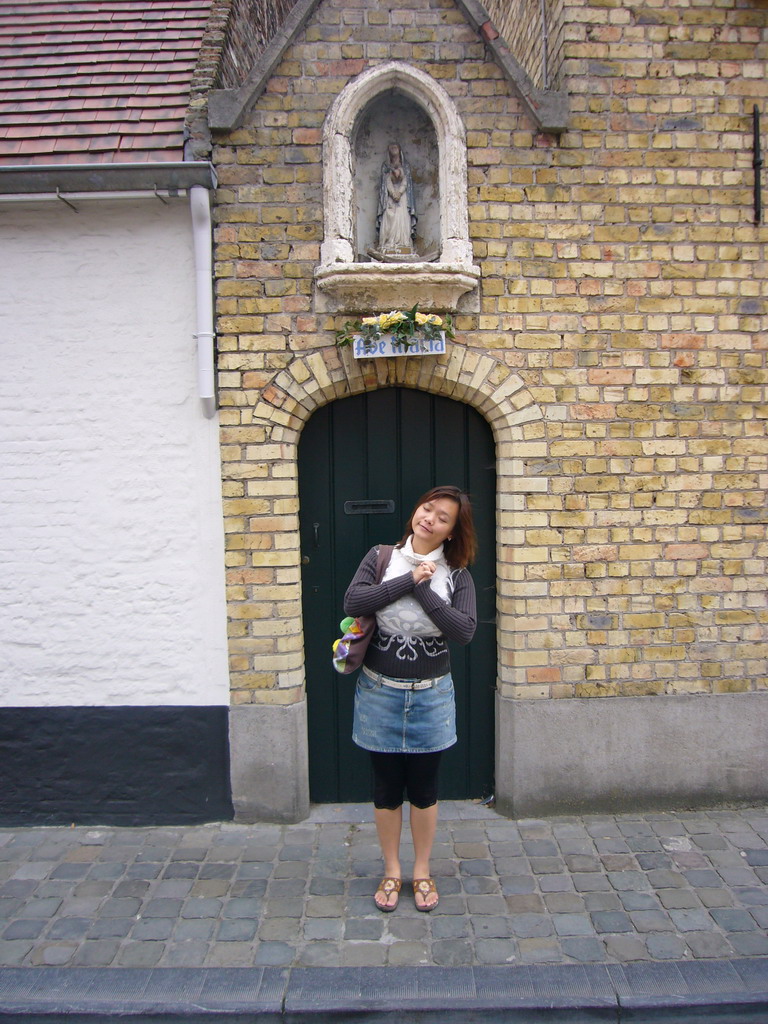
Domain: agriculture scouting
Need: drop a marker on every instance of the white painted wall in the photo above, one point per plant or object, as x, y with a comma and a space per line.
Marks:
111, 535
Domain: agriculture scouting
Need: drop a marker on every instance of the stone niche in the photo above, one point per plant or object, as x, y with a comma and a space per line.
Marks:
395, 103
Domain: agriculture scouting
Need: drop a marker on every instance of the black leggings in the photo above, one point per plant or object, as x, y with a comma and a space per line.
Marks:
414, 774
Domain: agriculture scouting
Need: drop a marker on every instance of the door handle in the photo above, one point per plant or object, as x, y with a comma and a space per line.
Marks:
316, 533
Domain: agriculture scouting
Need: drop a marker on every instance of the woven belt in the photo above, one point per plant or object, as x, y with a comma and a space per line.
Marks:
401, 684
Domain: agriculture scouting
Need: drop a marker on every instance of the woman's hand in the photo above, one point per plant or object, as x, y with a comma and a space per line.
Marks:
424, 571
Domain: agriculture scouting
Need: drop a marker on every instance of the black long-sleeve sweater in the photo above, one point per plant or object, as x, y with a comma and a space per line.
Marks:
413, 657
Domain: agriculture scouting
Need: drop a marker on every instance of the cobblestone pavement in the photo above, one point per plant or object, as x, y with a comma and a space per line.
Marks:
591, 889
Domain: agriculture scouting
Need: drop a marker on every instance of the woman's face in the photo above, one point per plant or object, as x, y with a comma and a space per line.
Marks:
433, 523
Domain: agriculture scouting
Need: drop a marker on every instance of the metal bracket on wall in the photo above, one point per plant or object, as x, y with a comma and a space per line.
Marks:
757, 164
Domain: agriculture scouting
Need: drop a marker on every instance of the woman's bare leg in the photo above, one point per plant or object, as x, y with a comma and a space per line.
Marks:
423, 830
389, 826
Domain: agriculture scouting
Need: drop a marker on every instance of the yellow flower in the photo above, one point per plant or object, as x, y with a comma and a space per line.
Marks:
429, 318
369, 321
387, 320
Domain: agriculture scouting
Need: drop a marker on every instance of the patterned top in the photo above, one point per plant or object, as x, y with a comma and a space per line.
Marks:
414, 622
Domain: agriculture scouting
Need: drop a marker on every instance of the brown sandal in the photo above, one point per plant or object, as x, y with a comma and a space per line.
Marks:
425, 887
388, 886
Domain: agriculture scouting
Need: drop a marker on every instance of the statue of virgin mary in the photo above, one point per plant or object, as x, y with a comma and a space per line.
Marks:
396, 211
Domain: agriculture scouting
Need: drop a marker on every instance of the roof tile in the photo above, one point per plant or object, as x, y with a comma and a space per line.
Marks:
96, 80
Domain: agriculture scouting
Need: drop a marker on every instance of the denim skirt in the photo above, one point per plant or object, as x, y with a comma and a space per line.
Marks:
392, 721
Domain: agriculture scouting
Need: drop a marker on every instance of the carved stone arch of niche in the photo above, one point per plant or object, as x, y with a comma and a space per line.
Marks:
343, 285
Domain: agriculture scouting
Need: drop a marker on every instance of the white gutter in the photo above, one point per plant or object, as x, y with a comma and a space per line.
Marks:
200, 205
25, 179
164, 195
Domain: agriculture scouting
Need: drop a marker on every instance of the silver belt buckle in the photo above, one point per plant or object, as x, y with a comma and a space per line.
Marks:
422, 684
401, 684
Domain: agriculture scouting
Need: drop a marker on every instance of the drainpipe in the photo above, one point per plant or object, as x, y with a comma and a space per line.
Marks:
200, 204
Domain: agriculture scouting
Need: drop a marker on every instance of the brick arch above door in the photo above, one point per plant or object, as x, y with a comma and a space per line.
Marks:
266, 653
466, 375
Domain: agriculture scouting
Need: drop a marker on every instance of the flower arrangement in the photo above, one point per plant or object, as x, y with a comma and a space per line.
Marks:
406, 328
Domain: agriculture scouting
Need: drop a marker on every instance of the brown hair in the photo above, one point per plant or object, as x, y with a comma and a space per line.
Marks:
460, 550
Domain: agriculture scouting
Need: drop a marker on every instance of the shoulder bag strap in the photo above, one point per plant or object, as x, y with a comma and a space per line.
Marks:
385, 554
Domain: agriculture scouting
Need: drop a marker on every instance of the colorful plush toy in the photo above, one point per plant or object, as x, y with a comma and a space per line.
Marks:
352, 629
349, 650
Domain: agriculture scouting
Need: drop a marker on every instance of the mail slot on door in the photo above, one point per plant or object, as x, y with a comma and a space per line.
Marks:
368, 507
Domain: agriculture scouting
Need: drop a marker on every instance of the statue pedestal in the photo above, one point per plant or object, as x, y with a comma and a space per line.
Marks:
402, 255
379, 287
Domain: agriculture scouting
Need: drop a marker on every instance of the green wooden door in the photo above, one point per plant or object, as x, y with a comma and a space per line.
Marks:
363, 463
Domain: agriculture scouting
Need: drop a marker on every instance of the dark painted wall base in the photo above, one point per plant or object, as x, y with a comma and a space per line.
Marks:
119, 766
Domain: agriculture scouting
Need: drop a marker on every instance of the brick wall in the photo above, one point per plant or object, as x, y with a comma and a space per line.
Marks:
619, 348
213, 51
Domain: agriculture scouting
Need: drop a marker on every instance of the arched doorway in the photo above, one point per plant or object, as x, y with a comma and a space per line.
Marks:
363, 462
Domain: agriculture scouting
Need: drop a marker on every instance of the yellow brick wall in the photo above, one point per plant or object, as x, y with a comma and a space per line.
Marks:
619, 351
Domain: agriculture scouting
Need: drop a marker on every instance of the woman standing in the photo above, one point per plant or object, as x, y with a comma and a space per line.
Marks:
405, 712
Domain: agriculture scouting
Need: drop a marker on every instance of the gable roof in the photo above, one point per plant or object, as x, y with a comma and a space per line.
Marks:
228, 106
96, 81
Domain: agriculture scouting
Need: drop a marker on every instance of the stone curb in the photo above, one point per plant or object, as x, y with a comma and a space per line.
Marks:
723, 991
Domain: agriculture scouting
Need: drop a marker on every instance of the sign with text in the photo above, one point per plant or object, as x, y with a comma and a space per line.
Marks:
386, 345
